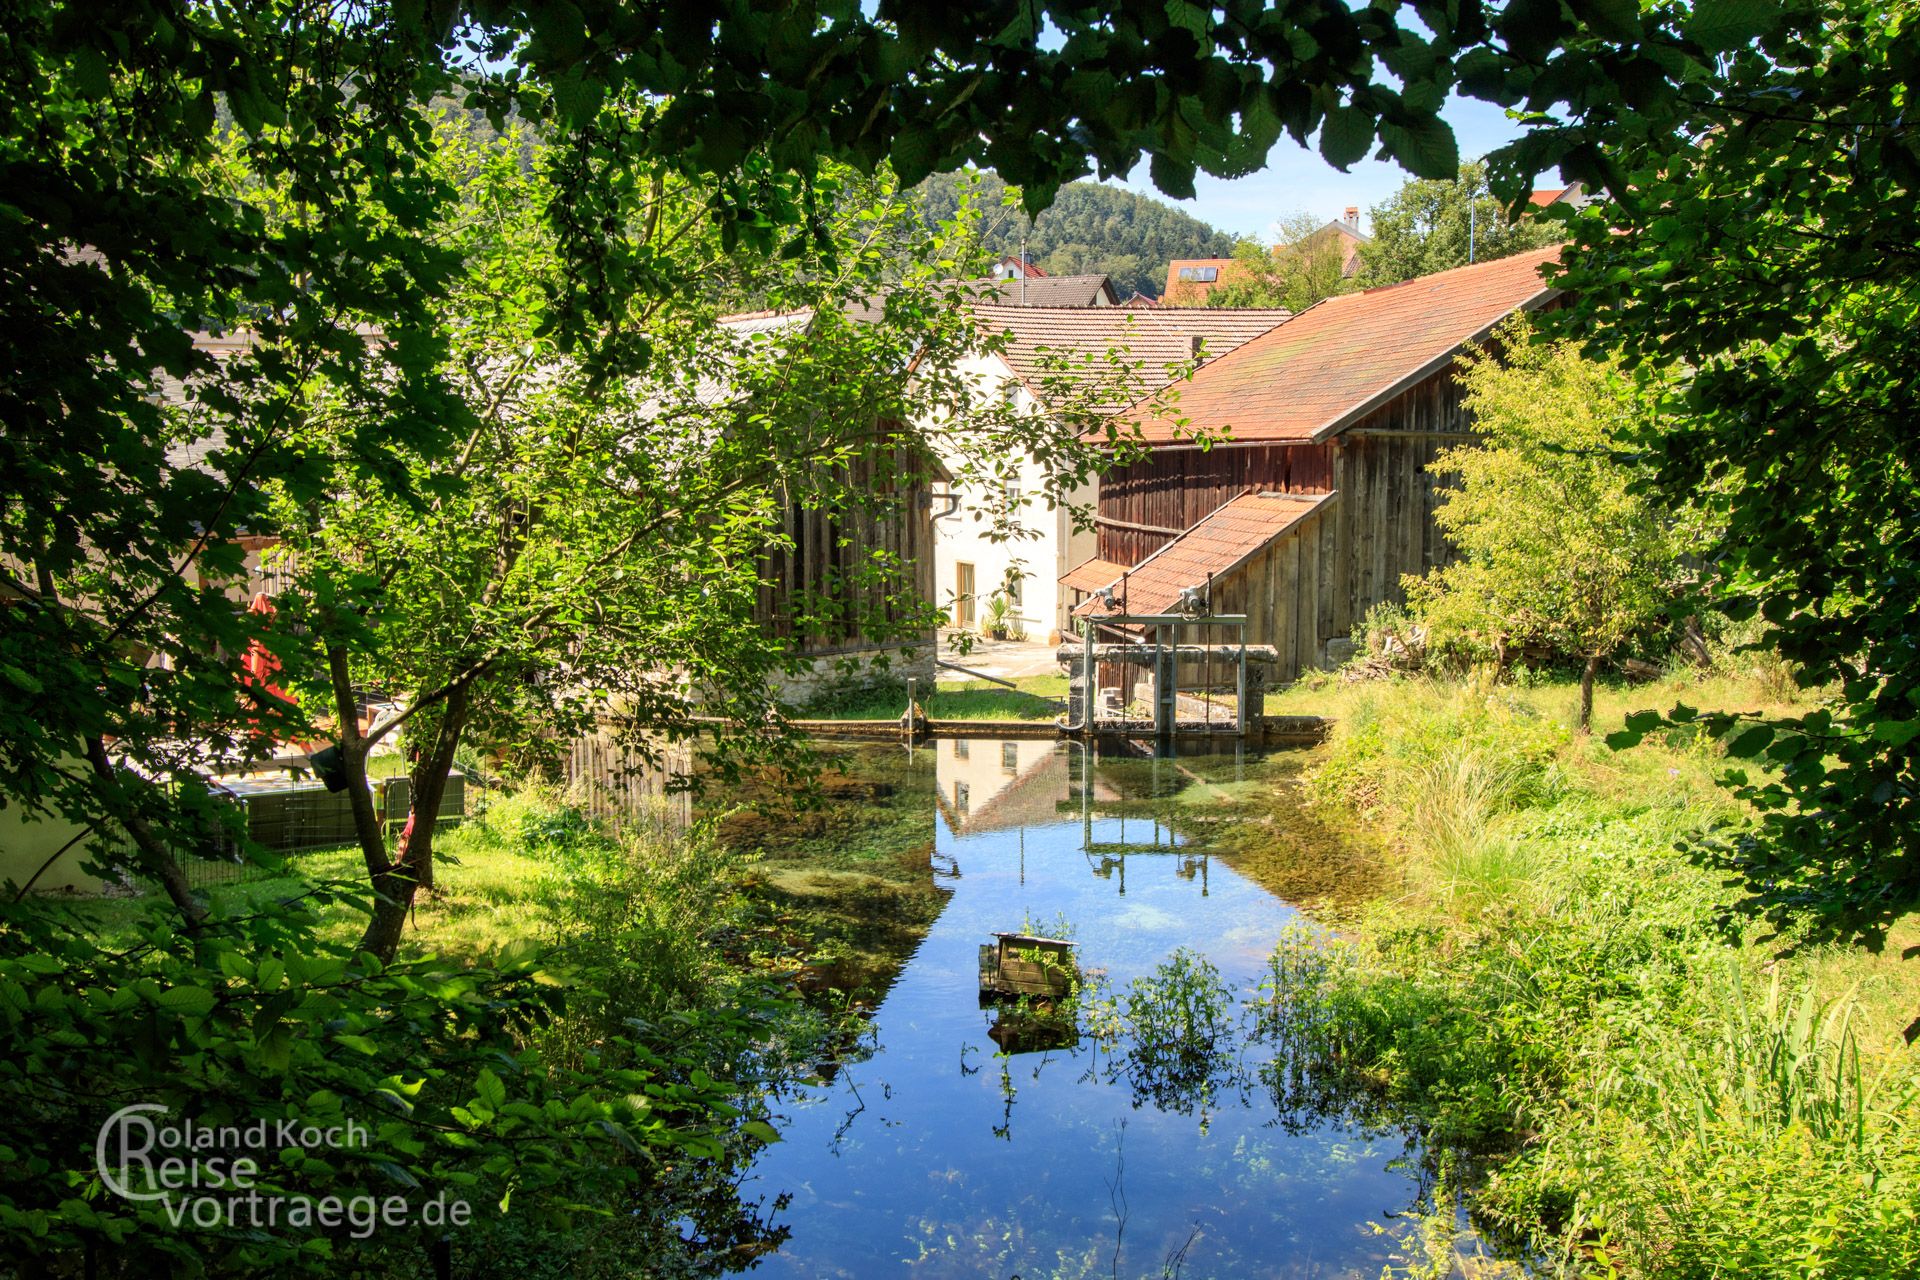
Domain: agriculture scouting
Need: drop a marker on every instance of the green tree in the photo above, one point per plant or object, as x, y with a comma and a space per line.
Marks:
1556, 543
1429, 226
596, 548
1308, 265
1090, 228
1767, 265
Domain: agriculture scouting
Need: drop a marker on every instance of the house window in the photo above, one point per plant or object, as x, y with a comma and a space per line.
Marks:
961, 793
1010, 756
961, 749
963, 595
1014, 501
1199, 275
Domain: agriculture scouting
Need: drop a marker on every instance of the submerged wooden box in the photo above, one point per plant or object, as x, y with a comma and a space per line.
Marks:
1019, 964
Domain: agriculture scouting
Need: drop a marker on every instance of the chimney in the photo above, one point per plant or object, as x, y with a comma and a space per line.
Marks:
1196, 342
1353, 215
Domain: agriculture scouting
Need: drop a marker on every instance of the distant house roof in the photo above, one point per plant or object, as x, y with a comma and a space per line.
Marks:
1574, 195
1053, 291
1140, 299
1038, 338
1012, 265
1194, 277
1314, 375
1214, 547
1352, 235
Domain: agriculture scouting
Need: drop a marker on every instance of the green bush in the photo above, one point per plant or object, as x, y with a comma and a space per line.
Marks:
257, 1018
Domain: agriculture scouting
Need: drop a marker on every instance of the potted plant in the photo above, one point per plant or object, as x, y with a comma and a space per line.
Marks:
999, 617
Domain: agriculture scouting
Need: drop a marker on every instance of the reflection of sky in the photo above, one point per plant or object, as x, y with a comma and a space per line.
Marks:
918, 1183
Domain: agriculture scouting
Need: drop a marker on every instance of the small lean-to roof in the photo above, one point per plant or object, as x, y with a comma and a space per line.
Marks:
1091, 575
1216, 546
1318, 373
1039, 339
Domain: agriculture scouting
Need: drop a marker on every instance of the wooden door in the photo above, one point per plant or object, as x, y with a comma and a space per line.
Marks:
963, 595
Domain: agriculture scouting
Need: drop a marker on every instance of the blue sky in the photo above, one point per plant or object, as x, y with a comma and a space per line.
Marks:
1297, 180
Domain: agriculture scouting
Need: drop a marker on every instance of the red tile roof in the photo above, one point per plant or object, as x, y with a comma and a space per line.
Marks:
1045, 344
1320, 371
1091, 575
1217, 546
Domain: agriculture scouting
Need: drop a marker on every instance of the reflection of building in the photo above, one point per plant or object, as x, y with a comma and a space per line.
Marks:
988, 785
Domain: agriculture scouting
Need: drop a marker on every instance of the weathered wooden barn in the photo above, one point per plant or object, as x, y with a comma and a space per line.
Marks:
822, 584
1294, 485
848, 582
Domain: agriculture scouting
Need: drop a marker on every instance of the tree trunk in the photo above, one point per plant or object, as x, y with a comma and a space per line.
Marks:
1586, 692
394, 886
1693, 643
155, 858
353, 753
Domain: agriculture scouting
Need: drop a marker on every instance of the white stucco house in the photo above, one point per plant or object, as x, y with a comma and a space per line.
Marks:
971, 564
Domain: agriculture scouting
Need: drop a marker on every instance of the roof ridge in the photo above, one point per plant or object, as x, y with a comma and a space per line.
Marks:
1489, 264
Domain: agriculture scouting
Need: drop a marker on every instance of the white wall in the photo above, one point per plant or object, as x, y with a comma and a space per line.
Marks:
962, 537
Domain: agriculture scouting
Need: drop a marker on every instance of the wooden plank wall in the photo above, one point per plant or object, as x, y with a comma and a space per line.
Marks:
1143, 505
831, 550
615, 784
1287, 593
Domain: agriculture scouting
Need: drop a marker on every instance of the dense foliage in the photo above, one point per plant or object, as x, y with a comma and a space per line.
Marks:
1090, 228
1769, 269
1431, 225
435, 1068
1558, 547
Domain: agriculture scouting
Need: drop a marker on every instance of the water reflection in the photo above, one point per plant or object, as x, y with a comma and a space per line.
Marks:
978, 1141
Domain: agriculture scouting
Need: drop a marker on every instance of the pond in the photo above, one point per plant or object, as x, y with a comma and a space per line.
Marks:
937, 1153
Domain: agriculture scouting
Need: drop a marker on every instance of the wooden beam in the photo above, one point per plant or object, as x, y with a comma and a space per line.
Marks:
1112, 523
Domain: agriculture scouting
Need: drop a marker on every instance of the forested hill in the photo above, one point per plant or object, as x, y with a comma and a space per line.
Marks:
1090, 227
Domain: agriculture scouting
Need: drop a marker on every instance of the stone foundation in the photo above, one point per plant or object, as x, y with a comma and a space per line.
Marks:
857, 669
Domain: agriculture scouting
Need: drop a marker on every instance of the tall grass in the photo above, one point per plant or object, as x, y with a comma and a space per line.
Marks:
1552, 988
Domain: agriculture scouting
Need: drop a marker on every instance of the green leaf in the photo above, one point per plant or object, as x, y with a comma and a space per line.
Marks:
1718, 25
194, 1002
489, 1089
1345, 136
1897, 733
92, 75
760, 1129
1427, 148
915, 152
1173, 177
1752, 742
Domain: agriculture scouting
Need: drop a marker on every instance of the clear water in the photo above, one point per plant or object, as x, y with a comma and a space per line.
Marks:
935, 1155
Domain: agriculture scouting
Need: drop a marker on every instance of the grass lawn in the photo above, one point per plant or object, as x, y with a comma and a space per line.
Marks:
1324, 694
971, 700
491, 891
